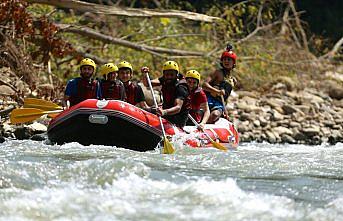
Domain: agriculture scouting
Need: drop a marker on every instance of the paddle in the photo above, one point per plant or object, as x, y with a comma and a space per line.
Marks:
167, 146
28, 114
215, 144
41, 104
225, 111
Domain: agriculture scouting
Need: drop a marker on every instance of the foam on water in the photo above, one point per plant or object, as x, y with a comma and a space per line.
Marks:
255, 182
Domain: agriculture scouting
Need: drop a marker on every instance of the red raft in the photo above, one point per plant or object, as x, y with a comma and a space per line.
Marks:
117, 123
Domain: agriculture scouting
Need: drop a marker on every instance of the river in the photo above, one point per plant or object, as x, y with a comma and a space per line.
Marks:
258, 181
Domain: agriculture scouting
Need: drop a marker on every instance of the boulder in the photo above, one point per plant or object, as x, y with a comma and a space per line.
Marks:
288, 139
263, 121
37, 127
282, 130
270, 137
289, 109
23, 132
276, 115
6, 90
311, 131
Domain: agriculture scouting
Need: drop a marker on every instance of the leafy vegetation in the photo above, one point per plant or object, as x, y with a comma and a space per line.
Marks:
267, 48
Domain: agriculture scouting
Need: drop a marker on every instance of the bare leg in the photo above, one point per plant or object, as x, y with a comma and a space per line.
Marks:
214, 116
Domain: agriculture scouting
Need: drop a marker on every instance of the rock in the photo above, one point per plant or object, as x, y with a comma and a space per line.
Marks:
305, 109
247, 93
335, 137
315, 140
299, 136
287, 139
2, 139
282, 130
263, 121
270, 137
325, 131
39, 137
289, 109
148, 95
311, 131
6, 90
310, 98
244, 116
275, 102
23, 132
37, 127
276, 115
294, 124
243, 128
257, 123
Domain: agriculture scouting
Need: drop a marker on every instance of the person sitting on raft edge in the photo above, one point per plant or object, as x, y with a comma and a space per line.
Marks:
217, 88
199, 106
84, 87
111, 87
175, 93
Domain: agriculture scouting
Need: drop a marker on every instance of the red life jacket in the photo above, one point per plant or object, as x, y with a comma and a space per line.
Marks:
195, 111
86, 89
169, 95
111, 90
131, 92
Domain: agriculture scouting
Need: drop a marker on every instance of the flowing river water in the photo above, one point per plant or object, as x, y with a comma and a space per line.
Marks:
255, 182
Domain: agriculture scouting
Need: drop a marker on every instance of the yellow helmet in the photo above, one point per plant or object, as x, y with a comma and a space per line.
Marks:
108, 68
125, 64
88, 61
171, 65
193, 74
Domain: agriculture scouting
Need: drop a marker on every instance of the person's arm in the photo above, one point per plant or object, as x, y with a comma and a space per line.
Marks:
204, 106
69, 91
207, 87
173, 110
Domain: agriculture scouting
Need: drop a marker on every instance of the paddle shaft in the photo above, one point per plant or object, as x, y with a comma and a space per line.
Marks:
196, 124
155, 103
223, 100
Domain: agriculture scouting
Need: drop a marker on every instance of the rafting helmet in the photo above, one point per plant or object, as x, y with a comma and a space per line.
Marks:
229, 54
108, 68
88, 61
170, 65
125, 64
193, 74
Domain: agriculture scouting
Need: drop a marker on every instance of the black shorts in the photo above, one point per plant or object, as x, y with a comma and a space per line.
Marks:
179, 119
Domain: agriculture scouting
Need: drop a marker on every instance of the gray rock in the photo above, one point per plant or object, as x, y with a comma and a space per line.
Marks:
257, 123
288, 139
270, 137
39, 137
299, 136
335, 137
23, 132
244, 116
289, 109
282, 130
311, 131
294, 124
37, 127
263, 121
276, 115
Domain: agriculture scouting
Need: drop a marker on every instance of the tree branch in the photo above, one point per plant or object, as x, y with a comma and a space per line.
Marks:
334, 50
111, 40
129, 12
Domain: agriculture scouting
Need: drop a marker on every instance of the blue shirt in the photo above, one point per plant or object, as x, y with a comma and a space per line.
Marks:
71, 88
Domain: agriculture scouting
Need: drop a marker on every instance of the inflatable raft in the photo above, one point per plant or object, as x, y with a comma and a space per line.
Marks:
117, 123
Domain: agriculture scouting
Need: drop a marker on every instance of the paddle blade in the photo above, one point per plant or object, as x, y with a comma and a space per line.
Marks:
25, 115
41, 104
167, 147
218, 146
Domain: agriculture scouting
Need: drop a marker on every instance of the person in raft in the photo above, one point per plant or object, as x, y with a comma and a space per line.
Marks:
199, 106
111, 87
175, 93
84, 87
134, 92
217, 88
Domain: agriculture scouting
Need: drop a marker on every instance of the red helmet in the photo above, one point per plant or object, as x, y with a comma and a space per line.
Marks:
229, 54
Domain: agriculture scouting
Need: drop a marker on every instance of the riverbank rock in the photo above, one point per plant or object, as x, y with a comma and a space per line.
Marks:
305, 116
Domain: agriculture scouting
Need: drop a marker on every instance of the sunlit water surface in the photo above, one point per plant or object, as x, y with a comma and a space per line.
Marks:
255, 182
